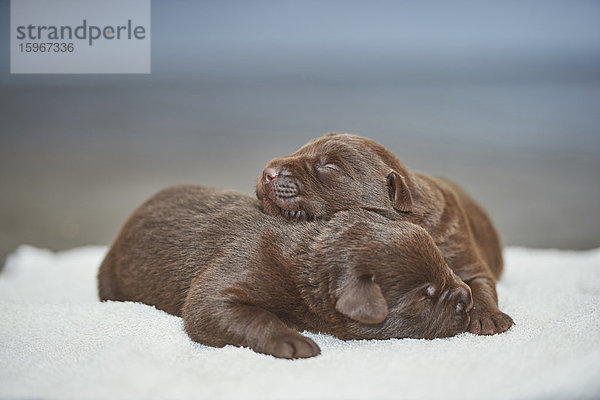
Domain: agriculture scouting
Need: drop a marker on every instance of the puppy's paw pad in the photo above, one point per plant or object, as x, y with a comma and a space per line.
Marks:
489, 322
292, 345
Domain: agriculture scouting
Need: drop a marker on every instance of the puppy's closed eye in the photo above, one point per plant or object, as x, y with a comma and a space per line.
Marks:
430, 290
325, 167
426, 294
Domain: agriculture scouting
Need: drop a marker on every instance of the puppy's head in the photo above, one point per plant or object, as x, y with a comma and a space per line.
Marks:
331, 173
389, 280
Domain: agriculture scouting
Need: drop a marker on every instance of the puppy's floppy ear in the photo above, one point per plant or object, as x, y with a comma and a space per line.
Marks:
399, 192
362, 300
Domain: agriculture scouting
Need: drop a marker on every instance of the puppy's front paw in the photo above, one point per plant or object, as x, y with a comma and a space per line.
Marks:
291, 345
489, 322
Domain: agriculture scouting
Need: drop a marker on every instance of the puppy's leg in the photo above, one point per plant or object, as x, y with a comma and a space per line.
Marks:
486, 317
219, 322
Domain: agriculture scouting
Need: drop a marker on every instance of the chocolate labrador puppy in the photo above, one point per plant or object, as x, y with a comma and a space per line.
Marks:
341, 171
238, 276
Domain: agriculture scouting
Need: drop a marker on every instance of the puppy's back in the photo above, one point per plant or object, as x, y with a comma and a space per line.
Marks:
167, 240
485, 235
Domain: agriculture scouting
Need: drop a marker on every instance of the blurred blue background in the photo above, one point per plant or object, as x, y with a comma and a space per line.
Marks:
502, 97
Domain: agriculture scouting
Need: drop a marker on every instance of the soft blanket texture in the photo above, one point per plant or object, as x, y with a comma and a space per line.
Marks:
58, 341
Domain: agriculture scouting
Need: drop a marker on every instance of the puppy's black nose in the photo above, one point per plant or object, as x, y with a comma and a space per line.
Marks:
269, 174
464, 299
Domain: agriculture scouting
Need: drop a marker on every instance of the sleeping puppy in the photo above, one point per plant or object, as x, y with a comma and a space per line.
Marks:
238, 276
341, 171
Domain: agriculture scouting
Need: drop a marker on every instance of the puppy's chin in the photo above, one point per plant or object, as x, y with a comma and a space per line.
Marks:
292, 212
269, 207
448, 329
458, 325
454, 325
259, 190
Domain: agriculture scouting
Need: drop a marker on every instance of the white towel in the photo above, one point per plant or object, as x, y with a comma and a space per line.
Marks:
57, 341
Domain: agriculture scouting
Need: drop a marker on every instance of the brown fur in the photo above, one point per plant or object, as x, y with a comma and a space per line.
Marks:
341, 171
239, 276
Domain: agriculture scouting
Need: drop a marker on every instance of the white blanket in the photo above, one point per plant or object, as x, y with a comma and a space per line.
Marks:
57, 341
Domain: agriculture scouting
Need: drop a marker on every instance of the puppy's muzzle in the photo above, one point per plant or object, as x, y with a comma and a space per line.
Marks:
280, 183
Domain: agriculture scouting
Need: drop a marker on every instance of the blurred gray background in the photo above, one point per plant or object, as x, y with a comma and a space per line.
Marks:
503, 97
